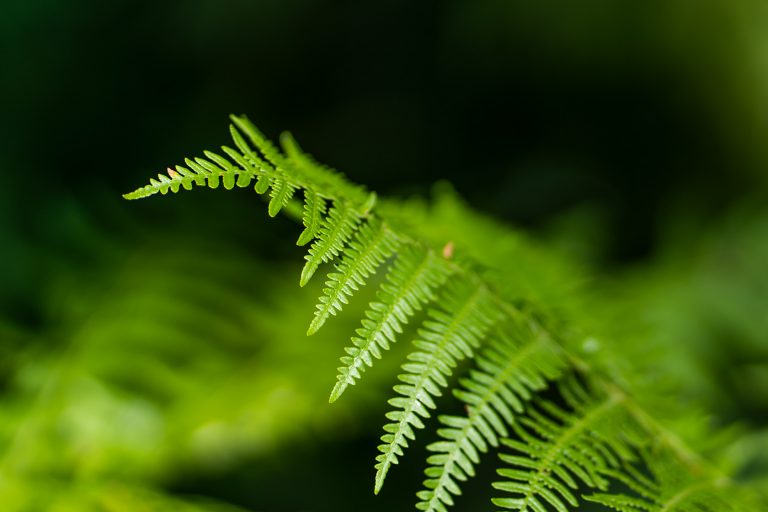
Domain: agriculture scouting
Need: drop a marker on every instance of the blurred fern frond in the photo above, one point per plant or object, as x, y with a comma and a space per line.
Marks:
157, 361
667, 489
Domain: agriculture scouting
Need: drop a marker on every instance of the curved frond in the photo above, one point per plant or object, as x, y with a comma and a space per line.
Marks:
409, 285
556, 451
509, 373
373, 244
450, 334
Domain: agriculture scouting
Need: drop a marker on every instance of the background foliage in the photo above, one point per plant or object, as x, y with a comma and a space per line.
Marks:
156, 351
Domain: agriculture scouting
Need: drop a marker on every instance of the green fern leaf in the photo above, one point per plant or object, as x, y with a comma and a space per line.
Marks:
558, 448
337, 228
410, 284
314, 209
373, 244
510, 372
281, 193
449, 335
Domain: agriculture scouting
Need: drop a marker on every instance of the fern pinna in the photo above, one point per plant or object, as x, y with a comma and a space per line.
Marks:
566, 426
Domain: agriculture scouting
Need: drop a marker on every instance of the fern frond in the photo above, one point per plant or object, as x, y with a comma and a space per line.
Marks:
510, 372
409, 285
337, 228
373, 244
559, 450
449, 335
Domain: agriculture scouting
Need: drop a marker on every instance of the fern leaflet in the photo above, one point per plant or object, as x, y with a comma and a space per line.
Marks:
449, 335
282, 192
509, 373
410, 284
373, 244
314, 209
336, 230
556, 448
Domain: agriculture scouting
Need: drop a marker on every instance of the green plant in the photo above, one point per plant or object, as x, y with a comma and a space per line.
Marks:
575, 421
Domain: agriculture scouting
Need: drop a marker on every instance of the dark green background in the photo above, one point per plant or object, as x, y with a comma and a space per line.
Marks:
633, 108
